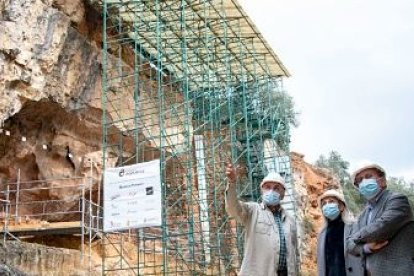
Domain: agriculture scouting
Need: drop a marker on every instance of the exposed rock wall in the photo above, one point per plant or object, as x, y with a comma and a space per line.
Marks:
50, 94
43, 57
39, 260
50, 117
7, 270
51, 74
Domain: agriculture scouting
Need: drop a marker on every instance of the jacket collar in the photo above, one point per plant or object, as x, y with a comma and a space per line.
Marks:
375, 200
281, 210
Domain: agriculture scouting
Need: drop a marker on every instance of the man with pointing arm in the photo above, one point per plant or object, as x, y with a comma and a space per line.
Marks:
270, 233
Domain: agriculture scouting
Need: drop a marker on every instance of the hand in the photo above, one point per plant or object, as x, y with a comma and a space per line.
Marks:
231, 173
376, 246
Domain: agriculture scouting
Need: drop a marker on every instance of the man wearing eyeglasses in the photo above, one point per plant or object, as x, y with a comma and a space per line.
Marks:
384, 232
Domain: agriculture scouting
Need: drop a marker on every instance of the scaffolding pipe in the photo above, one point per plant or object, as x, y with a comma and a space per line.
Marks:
82, 198
16, 215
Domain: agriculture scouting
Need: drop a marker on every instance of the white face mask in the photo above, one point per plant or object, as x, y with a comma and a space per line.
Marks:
331, 210
271, 198
369, 188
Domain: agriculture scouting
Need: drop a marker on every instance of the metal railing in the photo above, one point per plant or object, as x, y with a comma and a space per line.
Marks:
61, 205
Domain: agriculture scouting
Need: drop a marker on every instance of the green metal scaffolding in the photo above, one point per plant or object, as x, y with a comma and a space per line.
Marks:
194, 84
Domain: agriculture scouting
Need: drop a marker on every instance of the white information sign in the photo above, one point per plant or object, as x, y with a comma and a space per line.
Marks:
132, 196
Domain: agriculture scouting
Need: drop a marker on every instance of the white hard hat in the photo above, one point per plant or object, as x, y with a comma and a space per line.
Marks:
273, 177
332, 193
366, 167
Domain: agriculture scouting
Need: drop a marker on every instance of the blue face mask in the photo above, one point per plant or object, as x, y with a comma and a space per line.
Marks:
271, 198
368, 188
331, 210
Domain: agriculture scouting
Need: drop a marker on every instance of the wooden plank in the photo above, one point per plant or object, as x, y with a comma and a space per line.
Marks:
43, 226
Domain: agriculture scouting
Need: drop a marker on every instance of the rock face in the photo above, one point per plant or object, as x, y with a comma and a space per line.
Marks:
40, 260
6, 270
42, 57
50, 86
38, 50
50, 120
57, 144
310, 183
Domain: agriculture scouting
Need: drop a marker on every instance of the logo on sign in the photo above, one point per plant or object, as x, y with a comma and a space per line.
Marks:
121, 173
149, 190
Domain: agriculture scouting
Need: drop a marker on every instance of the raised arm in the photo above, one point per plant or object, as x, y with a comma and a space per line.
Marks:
239, 210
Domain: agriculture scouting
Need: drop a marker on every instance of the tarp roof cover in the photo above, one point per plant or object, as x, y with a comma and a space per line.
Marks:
207, 40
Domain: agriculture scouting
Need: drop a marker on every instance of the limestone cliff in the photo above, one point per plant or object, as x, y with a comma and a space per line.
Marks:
50, 121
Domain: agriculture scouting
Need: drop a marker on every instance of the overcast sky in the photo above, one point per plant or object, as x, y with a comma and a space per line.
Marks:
352, 76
